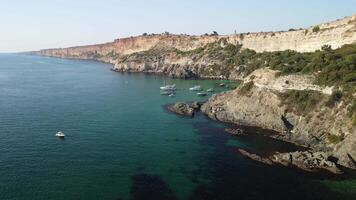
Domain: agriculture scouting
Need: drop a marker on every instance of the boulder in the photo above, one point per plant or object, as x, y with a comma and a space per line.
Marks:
236, 131
182, 109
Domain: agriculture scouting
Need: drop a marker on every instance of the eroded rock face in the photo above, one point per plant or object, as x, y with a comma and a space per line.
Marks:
262, 107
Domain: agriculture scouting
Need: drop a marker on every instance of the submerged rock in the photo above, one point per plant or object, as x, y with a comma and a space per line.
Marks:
255, 157
236, 131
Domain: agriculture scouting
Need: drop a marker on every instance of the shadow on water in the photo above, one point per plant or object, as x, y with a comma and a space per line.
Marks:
146, 186
233, 176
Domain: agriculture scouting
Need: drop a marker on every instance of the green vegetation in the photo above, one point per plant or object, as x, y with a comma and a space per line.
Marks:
301, 101
334, 139
316, 29
245, 88
331, 67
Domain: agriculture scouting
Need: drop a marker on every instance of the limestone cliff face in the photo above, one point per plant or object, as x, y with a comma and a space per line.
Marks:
131, 45
335, 33
159, 53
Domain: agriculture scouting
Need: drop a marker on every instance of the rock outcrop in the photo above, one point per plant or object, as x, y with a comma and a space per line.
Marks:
304, 160
263, 107
184, 108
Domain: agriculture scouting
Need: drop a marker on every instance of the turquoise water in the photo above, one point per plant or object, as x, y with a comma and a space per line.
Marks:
122, 144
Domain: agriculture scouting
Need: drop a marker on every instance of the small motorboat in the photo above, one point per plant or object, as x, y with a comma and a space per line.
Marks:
195, 88
201, 94
168, 87
168, 93
60, 134
210, 90
222, 84
171, 95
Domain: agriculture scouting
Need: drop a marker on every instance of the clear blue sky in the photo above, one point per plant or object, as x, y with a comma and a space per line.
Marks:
35, 24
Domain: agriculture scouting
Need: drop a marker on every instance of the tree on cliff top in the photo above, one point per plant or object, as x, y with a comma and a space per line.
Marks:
215, 33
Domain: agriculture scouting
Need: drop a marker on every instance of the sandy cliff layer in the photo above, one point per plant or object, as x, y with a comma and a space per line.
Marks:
176, 55
336, 34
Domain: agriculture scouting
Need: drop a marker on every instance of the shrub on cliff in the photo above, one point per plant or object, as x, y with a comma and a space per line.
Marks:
301, 101
316, 29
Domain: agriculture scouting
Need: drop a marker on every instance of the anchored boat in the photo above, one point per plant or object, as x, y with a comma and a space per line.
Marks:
168, 87
201, 94
60, 134
195, 88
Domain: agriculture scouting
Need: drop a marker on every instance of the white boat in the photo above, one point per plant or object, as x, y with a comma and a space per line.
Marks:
168, 87
210, 90
60, 134
222, 84
201, 94
167, 93
171, 95
195, 88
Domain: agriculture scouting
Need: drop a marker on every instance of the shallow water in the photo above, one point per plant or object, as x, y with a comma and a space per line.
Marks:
122, 144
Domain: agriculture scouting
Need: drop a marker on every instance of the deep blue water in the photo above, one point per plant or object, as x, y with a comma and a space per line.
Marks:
122, 144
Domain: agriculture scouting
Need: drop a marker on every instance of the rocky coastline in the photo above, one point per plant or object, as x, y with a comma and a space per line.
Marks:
290, 104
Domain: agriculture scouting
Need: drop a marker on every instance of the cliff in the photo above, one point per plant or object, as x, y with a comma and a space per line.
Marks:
176, 55
336, 34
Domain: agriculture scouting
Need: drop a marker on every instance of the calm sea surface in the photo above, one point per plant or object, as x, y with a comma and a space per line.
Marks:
122, 144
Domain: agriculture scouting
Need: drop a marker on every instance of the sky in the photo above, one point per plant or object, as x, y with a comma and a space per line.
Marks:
37, 24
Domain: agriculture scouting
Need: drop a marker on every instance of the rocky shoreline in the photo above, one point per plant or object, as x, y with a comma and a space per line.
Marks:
309, 160
302, 111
